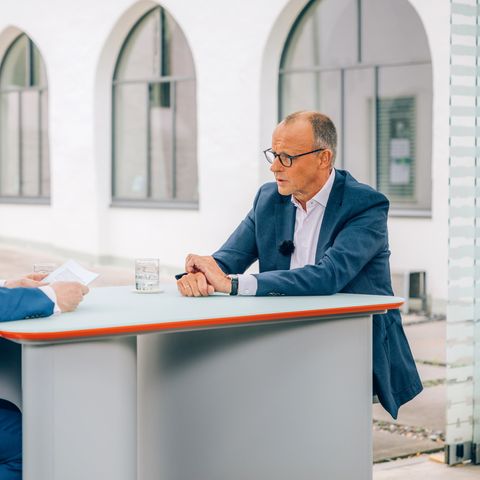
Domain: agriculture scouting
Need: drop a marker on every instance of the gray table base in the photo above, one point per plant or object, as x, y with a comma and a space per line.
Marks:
80, 410
265, 402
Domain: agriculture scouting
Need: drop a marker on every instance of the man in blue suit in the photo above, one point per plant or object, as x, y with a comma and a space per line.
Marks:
315, 231
19, 299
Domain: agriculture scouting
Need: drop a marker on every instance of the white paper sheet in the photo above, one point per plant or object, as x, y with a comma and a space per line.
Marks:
71, 271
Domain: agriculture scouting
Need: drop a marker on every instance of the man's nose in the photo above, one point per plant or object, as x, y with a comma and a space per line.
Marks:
276, 166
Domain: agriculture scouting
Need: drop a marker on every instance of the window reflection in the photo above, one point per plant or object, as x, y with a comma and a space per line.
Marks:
354, 61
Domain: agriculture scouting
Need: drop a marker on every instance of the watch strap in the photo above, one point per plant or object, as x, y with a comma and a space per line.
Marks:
234, 279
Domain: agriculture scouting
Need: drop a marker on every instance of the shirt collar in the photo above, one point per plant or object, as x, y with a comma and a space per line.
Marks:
322, 195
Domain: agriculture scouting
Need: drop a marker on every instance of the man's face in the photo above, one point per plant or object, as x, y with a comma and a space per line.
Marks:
307, 174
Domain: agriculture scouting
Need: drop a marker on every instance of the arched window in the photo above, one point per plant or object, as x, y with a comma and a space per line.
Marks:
366, 64
24, 163
154, 116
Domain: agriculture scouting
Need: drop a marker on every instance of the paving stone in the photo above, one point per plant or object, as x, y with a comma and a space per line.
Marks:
422, 468
426, 410
428, 341
388, 445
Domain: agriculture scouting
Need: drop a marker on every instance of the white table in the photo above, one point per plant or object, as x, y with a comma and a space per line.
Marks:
155, 387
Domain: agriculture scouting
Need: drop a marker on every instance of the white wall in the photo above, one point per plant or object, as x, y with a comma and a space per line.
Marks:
236, 47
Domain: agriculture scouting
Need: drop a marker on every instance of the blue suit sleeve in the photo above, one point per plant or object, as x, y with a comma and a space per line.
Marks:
240, 250
20, 303
361, 238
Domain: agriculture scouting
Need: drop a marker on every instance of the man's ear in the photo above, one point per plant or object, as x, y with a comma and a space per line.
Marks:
326, 158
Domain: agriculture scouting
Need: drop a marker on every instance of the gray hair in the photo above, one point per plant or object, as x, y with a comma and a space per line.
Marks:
324, 131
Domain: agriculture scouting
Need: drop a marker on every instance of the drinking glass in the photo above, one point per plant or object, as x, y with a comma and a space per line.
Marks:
44, 267
147, 275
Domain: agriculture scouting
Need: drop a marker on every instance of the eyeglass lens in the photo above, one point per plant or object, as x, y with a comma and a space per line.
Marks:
284, 159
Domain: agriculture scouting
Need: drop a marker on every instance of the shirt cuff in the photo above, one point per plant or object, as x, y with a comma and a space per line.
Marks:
247, 284
2, 283
50, 293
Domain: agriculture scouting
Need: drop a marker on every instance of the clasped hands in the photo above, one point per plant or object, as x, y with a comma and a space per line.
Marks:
204, 277
69, 294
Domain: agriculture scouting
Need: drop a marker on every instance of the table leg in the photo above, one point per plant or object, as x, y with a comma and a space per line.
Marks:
80, 411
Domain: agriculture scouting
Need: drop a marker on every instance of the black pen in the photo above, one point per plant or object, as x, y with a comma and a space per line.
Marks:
178, 276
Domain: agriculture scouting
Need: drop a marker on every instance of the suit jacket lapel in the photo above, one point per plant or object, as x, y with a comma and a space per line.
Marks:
331, 215
284, 229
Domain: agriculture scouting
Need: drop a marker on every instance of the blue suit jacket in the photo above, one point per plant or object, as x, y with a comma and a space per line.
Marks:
18, 303
352, 256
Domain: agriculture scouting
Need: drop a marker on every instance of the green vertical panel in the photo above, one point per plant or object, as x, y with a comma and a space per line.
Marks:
396, 156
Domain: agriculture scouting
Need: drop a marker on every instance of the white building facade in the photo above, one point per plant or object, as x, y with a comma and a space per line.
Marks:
117, 148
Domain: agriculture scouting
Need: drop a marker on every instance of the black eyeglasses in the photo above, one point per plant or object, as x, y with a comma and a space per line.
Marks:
286, 160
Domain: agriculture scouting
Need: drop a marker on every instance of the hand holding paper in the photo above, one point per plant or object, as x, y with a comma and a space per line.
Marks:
69, 294
69, 284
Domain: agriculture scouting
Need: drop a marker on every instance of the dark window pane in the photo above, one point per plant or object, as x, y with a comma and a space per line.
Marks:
396, 130
186, 127
392, 32
30, 144
314, 91
140, 57
156, 47
300, 91
14, 69
181, 60
161, 138
405, 135
9, 144
325, 36
330, 84
359, 121
45, 149
39, 75
130, 141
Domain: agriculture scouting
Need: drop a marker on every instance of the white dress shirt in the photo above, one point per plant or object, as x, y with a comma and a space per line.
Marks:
305, 238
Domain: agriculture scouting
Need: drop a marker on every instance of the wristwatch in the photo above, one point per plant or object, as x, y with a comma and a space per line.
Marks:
234, 279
